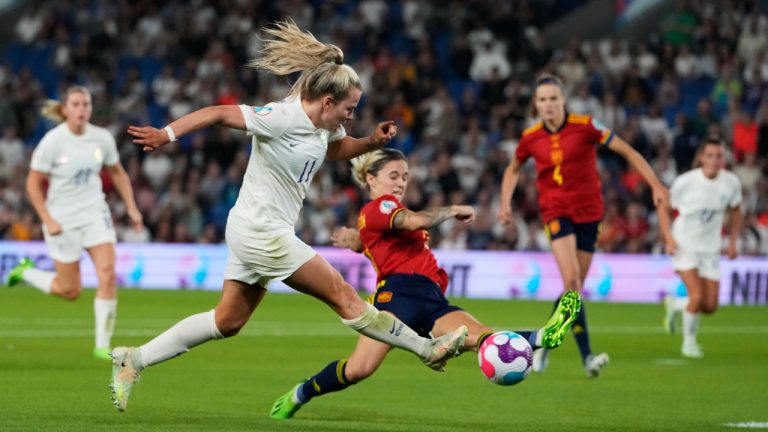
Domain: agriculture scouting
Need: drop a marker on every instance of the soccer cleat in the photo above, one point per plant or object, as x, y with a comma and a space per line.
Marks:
124, 376
540, 360
102, 353
669, 315
445, 347
284, 407
593, 364
16, 274
561, 320
691, 350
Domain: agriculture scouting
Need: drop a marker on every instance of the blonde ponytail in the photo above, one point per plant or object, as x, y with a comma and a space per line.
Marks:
52, 109
321, 65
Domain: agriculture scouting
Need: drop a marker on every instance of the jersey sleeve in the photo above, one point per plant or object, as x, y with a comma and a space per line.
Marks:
338, 134
111, 156
267, 121
600, 132
522, 152
676, 192
380, 214
43, 156
736, 196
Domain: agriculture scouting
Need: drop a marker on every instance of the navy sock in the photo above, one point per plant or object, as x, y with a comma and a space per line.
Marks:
530, 336
581, 334
328, 380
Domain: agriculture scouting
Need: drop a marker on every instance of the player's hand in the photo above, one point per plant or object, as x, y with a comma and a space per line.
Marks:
732, 252
137, 220
505, 214
660, 196
149, 137
345, 238
52, 227
464, 213
670, 247
384, 132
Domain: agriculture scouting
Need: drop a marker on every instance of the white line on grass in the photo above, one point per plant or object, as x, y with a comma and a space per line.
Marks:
748, 425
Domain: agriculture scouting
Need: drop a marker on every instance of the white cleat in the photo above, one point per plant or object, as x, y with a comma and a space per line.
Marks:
540, 360
445, 347
595, 363
124, 375
670, 314
691, 350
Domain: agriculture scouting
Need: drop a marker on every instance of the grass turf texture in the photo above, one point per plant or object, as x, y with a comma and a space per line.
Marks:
49, 381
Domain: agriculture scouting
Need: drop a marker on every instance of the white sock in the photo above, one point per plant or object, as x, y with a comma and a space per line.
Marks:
690, 326
105, 312
187, 333
386, 328
40, 279
679, 304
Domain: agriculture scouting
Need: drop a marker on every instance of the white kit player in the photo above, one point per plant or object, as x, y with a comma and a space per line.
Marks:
74, 212
702, 197
291, 139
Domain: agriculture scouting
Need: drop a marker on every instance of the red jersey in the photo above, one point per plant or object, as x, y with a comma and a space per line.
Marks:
393, 250
566, 167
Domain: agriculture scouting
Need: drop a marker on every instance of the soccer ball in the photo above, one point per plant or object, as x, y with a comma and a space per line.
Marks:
505, 358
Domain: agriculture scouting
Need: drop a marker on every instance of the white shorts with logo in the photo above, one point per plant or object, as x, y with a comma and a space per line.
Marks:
707, 263
261, 257
68, 246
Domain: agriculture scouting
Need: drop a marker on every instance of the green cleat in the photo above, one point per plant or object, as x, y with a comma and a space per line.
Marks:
284, 407
16, 274
102, 353
561, 320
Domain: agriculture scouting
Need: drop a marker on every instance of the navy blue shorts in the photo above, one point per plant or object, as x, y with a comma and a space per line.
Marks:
586, 233
415, 299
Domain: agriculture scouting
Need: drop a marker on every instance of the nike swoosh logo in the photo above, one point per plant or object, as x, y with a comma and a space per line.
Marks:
393, 328
293, 145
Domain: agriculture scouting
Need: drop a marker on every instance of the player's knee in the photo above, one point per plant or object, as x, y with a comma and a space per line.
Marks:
358, 372
106, 275
68, 290
709, 309
572, 281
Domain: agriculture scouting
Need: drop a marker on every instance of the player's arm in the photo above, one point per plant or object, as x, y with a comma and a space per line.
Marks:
123, 185
347, 238
35, 190
665, 225
348, 147
153, 138
660, 192
736, 221
425, 219
508, 184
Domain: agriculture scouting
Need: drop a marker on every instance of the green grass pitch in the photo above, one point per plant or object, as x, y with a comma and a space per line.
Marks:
49, 381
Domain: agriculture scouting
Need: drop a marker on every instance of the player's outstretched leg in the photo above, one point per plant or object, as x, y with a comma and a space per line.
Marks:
444, 348
562, 319
16, 274
126, 364
669, 314
286, 405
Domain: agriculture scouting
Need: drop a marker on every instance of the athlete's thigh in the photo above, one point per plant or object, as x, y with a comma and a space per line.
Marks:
694, 284
564, 251
320, 280
68, 276
450, 321
585, 261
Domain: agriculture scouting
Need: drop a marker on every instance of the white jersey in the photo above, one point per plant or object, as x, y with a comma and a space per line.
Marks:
73, 164
286, 153
701, 203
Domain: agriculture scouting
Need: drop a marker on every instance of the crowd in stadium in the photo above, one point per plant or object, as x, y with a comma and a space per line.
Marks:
456, 79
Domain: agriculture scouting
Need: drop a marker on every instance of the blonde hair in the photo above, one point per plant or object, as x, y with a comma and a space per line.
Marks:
371, 163
52, 108
321, 65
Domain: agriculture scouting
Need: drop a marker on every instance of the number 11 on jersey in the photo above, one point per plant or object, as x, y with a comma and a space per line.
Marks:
306, 173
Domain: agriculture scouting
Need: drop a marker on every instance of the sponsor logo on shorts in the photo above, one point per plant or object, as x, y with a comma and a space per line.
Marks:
384, 297
387, 206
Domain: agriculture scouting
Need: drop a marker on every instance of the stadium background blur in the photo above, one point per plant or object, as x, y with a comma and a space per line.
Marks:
456, 78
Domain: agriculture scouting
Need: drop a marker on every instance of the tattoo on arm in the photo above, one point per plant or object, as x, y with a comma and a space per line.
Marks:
430, 217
